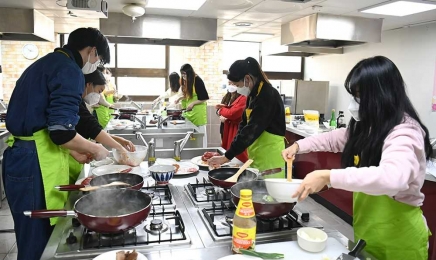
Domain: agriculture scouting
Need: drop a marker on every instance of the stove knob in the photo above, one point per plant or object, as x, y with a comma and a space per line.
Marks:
305, 217
75, 223
72, 239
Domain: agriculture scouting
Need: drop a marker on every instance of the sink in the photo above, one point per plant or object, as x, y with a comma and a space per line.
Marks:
188, 153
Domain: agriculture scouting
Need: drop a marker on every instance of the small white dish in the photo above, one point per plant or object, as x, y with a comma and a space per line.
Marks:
107, 169
119, 127
107, 161
113, 255
240, 257
312, 239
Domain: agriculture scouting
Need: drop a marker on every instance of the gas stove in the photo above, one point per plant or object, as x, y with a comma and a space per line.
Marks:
216, 210
164, 226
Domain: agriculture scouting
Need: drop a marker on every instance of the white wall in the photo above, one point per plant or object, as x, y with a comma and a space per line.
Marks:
412, 49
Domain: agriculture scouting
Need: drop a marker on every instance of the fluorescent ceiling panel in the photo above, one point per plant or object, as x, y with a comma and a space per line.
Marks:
176, 4
400, 8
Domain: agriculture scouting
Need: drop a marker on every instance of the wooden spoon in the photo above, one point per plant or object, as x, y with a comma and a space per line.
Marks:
234, 178
114, 183
289, 172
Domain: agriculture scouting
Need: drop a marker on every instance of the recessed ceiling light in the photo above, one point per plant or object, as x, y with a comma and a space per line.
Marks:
400, 8
176, 4
243, 24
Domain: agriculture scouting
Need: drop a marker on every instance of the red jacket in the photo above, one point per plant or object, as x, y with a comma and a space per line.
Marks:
233, 113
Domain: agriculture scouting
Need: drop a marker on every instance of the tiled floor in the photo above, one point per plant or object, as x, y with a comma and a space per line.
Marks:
8, 249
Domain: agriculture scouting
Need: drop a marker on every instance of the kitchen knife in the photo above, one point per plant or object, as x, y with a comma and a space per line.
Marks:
353, 253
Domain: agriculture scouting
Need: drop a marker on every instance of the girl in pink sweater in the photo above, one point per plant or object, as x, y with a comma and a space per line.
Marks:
384, 154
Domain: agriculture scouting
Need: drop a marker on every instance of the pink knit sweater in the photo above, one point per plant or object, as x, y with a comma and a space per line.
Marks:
401, 172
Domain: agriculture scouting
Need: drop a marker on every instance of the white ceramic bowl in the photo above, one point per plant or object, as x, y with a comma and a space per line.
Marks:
162, 173
282, 190
312, 239
310, 130
131, 158
119, 127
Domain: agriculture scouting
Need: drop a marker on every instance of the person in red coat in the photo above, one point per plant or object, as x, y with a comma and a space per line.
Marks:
230, 112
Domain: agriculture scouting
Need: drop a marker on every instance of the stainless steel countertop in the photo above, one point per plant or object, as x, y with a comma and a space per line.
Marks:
202, 245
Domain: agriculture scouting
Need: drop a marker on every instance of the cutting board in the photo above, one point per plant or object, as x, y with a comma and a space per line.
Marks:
293, 251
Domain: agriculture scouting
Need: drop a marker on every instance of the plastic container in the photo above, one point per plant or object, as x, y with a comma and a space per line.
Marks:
131, 158
288, 115
311, 117
244, 223
312, 239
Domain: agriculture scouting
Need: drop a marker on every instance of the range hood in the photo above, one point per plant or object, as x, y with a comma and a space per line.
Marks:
159, 30
327, 34
25, 25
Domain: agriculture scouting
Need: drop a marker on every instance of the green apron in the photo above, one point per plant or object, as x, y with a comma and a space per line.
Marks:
266, 151
75, 168
104, 113
392, 230
198, 114
53, 162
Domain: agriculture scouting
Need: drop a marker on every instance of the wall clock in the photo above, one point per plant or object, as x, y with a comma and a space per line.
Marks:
30, 51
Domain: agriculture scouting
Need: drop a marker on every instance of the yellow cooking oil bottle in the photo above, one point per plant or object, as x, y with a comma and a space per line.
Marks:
244, 223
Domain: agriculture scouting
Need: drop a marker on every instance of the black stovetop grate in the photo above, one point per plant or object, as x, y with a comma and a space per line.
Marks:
198, 192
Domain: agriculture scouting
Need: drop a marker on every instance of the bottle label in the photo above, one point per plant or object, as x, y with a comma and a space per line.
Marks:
244, 238
245, 210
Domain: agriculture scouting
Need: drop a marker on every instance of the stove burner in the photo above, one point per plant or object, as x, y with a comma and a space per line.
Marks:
111, 236
72, 239
152, 194
75, 223
209, 191
156, 227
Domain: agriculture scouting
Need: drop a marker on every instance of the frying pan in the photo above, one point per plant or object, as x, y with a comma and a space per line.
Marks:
105, 211
263, 208
136, 182
175, 112
129, 110
218, 176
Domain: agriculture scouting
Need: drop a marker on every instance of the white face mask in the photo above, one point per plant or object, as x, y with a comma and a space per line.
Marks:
92, 98
354, 108
245, 90
231, 88
90, 67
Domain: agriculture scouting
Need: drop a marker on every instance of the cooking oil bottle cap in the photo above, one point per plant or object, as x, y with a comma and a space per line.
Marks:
287, 110
246, 193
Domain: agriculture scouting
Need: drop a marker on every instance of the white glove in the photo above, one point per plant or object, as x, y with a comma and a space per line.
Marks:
101, 153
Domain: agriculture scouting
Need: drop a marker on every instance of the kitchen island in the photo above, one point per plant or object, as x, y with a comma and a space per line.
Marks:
340, 202
198, 241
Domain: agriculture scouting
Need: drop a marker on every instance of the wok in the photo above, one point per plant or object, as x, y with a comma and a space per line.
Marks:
136, 182
105, 211
218, 176
262, 208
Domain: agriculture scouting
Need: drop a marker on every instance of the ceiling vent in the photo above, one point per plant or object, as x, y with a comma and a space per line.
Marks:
88, 8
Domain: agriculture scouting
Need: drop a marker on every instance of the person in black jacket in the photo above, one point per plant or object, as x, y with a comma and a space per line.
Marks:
88, 125
263, 127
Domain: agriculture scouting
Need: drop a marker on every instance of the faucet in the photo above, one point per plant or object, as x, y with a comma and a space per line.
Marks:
151, 152
136, 105
139, 136
180, 144
161, 120
143, 122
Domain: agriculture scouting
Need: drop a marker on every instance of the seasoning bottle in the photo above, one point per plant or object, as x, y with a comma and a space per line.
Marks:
340, 120
288, 115
244, 223
333, 124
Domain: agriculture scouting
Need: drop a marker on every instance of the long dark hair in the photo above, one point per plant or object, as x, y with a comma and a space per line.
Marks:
188, 84
250, 66
229, 98
378, 84
174, 82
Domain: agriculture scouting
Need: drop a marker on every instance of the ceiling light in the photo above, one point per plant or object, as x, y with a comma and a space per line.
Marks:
400, 8
243, 24
176, 4
133, 10
253, 37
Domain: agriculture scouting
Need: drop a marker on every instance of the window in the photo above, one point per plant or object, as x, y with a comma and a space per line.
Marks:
233, 51
281, 64
141, 86
112, 52
141, 56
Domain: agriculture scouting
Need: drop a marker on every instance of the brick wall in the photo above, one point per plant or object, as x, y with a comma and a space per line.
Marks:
14, 63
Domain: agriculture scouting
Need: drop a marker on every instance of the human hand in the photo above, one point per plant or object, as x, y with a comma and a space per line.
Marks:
126, 144
313, 182
81, 157
290, 152
217, 161
222, 119
189, 107
99, 152
219, 106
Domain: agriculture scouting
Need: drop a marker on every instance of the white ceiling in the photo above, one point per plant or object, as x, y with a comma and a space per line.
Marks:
266, 15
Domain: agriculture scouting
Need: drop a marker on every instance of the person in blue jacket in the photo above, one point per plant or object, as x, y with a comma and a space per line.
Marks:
42, 115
